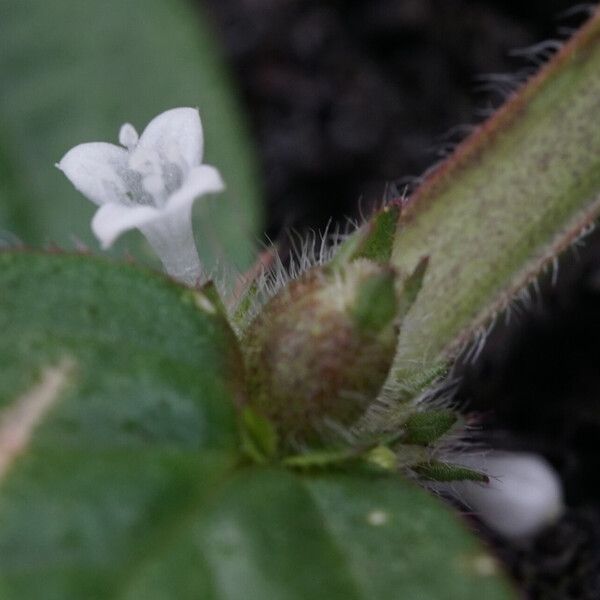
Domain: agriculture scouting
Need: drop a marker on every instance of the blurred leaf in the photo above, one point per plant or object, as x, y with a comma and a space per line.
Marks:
73, 72
440, 471
116, 418
423, 428
323, 459
151, 366
382, 457
119, 471
259, 440
276, 535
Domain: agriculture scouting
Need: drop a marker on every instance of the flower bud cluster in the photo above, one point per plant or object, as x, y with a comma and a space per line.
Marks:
321, 349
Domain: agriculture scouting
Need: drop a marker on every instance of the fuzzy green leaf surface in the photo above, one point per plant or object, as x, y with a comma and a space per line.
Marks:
374, 240
440, 471
120, 470
116, 413
73, 72
514, 195
424, 428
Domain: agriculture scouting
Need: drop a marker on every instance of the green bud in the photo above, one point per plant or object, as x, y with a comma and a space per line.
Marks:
321, 349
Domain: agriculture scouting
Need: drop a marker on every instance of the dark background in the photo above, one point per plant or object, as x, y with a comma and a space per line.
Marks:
350, 101
345, 98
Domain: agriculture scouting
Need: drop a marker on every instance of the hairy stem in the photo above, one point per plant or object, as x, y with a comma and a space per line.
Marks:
513, 195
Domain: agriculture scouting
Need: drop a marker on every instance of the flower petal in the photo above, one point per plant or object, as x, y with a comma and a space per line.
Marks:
200, 181
172, 238
95, 170
111, 220
523, 496
175, 134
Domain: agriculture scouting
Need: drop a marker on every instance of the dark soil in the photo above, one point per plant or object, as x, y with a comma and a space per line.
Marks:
350, 100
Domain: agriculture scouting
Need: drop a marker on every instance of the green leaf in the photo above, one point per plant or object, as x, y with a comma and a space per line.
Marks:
259, 438
259, 534
272, 534
412, 286
323, 459
151, 366
73, 72
373, 241
120, 474
376, 302
425, 427
441, 471
116, 417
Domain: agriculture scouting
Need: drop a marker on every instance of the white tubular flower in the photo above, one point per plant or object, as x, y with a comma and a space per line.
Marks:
523, 496
150, 183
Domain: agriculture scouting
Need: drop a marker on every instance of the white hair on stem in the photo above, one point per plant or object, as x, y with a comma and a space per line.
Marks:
305, 252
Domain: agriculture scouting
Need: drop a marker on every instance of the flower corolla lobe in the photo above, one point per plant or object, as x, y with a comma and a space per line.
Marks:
149, 182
